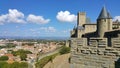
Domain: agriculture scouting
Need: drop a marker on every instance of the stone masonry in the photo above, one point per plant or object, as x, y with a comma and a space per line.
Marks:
98, 48
83, 56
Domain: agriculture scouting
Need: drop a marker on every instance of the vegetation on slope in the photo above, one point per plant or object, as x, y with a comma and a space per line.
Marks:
4, 64
41, 63
64, 50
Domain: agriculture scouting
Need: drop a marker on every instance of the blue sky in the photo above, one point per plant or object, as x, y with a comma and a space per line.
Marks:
49, 18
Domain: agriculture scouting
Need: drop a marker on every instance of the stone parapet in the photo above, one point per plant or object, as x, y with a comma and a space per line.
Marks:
86, 56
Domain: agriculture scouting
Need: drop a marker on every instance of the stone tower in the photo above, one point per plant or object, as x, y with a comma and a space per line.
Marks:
81, 18
80, 22
104, 22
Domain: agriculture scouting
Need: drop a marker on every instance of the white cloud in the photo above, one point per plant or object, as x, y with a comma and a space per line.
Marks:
13, 16
51, 29
48, 29
66, 16
67, 31
116, 18
3, 18
37, 19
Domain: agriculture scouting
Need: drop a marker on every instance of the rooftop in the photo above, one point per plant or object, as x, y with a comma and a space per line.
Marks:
104, 14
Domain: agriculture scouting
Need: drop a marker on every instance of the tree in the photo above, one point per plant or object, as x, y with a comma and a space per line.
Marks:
22, 53
23, 56
4, 58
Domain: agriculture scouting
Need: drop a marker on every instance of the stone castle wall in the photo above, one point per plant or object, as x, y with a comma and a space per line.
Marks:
97, 56
90, 28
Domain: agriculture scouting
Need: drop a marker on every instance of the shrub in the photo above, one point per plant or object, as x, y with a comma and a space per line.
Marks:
64, 50
4, 58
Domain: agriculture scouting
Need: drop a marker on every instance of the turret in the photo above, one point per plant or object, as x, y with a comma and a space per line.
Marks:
104, 22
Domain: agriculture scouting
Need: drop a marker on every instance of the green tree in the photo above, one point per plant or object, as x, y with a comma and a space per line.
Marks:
22, 53
23, 56
4, 58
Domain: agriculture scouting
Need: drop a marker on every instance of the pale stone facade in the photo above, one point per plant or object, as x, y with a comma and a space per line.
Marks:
95, 45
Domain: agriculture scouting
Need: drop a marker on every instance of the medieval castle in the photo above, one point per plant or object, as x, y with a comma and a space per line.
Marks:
95, 45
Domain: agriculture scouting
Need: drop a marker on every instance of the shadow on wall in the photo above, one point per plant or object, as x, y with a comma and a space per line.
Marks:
117, 63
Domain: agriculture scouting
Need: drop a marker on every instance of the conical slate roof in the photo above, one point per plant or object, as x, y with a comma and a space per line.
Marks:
109, 16
104, 14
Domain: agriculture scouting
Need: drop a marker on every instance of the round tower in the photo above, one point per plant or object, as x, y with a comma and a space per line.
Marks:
104, 22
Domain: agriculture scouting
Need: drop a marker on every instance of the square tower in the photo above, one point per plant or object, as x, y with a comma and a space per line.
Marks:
81, 18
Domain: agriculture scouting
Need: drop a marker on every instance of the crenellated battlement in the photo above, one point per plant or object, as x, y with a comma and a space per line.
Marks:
94, 55
95, 45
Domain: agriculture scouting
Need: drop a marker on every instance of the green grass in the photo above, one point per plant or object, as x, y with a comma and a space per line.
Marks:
4, 64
